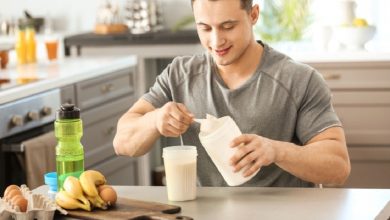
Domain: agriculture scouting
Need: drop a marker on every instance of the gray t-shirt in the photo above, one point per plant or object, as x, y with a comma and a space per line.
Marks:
283, 100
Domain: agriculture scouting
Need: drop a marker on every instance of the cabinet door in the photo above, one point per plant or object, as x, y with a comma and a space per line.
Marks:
99, 129
365, 116
369, 167
68, 95
94, 92
119, 170
342, 76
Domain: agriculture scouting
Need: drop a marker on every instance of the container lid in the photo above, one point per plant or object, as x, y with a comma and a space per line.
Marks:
68, 111
51, 180
179, 151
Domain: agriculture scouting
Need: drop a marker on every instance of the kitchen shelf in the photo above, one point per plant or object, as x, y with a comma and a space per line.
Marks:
91, 39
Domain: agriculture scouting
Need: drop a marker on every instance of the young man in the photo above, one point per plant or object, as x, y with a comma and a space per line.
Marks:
283, 108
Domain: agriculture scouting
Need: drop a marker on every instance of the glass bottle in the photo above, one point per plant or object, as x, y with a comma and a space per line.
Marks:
68, 130
20, 46
31, 45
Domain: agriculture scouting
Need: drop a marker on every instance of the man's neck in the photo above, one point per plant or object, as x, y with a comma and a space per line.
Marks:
237, 73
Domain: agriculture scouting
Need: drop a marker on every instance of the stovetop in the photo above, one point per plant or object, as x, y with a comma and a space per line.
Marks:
9, 83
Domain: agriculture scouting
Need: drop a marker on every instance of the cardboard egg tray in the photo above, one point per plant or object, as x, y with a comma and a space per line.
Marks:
38, 207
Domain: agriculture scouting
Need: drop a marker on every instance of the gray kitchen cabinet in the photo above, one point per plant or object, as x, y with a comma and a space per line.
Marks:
99, 129
98, 91
119, 170
102, 101
68, 94
361, 98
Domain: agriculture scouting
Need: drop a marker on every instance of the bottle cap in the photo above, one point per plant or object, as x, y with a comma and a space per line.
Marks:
68, 111
51, 180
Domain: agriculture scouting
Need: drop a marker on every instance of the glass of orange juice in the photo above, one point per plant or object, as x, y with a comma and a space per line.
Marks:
51, 44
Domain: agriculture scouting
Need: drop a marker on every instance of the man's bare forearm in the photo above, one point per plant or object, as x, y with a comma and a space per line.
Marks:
136, 133
319, 162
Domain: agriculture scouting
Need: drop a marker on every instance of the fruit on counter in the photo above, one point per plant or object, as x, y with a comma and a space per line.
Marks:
66, 201
87, 192
73, 187
90, 180
360, 22
108, 194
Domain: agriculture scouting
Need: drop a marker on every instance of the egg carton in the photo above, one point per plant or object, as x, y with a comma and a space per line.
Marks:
38, 207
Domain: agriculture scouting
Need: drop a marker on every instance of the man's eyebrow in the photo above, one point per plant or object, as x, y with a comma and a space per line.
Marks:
229, 22
221, 24
201, 23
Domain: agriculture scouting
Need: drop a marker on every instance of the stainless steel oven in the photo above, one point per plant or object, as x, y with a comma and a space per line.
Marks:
23, 120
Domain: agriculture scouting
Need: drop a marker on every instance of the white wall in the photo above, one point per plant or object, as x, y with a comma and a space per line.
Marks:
376, 12
79, 15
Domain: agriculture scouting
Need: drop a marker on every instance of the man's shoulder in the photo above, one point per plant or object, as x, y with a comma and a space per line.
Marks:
184, 68
285, 69
193, 63
282, 62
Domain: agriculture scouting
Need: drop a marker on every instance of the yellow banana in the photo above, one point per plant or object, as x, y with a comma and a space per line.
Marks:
90, 180
73, 187
97, 202
64, 200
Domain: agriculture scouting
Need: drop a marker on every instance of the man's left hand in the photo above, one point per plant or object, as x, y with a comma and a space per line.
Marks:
253, 152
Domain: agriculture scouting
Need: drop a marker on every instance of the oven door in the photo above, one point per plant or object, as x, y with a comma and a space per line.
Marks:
13, 168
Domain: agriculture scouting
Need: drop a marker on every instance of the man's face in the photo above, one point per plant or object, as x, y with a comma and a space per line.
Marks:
224, 28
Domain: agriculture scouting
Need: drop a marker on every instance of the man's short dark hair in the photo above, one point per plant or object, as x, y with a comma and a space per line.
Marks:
245, 4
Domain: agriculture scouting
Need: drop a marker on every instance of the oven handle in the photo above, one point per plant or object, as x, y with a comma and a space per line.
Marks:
16, 148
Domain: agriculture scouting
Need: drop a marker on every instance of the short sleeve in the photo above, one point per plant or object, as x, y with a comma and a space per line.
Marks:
160, 93
315, 113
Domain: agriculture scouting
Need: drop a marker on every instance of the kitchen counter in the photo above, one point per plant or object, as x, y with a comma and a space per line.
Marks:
31, 79
268, 203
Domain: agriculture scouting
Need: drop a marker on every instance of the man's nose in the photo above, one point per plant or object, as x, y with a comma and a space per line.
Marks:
217, 39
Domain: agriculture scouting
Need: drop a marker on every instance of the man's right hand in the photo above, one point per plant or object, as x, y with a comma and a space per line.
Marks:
173, 119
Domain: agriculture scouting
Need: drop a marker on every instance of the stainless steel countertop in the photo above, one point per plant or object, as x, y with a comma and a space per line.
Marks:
268, 203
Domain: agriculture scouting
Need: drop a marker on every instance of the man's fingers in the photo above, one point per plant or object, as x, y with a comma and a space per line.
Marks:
253, 168
240, 153
244, 138
174, 128
188, 116
184, 109
246, 160
181, 116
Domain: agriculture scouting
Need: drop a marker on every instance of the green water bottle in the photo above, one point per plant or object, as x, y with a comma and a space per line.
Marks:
68, 130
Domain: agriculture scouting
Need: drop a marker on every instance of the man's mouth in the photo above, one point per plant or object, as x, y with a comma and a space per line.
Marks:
222, 52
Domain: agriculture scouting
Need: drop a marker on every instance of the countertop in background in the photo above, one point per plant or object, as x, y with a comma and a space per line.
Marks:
51, 75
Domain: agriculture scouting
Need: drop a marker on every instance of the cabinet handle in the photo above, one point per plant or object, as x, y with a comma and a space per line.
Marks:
109, 130
106, 88
331, 76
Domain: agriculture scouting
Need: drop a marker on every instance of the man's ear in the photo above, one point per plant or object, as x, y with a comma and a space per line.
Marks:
255, 12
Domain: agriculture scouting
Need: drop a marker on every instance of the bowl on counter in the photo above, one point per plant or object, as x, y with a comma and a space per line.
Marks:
353, 37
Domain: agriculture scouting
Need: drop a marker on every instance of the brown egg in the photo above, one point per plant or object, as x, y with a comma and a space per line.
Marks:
101, 187
9, 188
12, 193
108, 195
20, 202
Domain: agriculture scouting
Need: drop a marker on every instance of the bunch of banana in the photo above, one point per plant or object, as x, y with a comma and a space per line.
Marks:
72, 196
82, 193
90, 181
